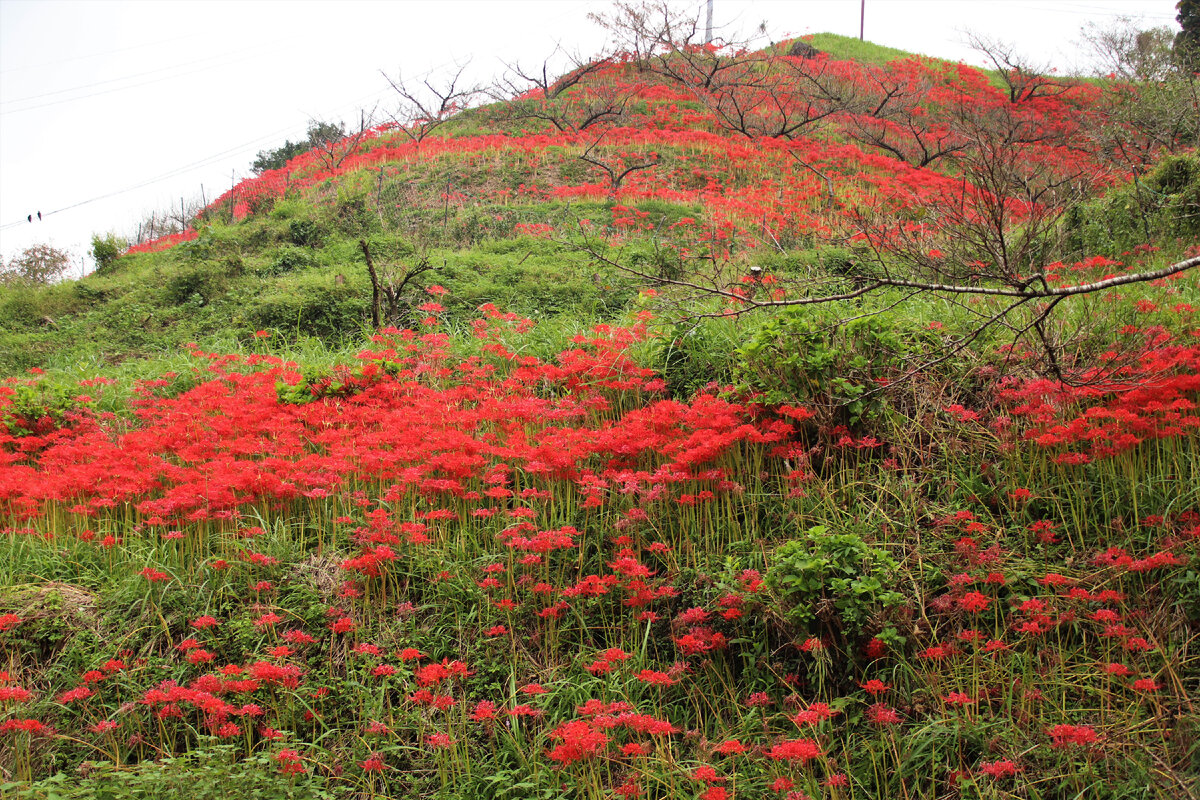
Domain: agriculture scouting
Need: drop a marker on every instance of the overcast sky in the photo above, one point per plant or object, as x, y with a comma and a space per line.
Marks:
109, 110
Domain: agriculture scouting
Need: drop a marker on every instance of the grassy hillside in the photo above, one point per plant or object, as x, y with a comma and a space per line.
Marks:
594, 511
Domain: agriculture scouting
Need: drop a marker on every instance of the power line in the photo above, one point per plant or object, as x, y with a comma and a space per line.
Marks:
155, 71
100, 54
204, 162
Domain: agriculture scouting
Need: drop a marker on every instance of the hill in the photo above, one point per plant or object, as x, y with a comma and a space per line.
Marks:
699, 423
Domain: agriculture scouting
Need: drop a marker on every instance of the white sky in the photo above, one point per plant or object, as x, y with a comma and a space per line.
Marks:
146, 101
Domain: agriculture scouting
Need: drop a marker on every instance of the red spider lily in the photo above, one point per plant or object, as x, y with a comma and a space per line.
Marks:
1072, 735
731, 747
655, 678
578, 740
372, 764
801, 750
999, 769
881, 714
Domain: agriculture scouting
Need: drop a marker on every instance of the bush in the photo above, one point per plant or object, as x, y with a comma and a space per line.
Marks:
216, 771
305, 233
197, 286
106, 251
1166, 204
289, 259
835, 580
314, 306
798, 356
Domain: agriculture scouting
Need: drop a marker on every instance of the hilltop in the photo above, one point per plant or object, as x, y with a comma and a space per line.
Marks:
816, 421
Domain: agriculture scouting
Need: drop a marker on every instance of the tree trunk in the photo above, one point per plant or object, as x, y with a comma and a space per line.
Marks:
375, 298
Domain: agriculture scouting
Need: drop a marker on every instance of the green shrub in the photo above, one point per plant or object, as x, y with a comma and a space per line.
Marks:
107, 250
305, 233
311, 305
803, 356
198, 286
215, 771
289, 258
834, 580
1165, 204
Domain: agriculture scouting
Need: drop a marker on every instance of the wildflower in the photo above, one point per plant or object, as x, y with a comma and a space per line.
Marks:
485, 711
706, 774
974, 602
289, 762
999, 769
78, 693
795, 750
758, 700
635, 749
1078, 735
882, 714
815, 714
655, 678
578, 740
14, 694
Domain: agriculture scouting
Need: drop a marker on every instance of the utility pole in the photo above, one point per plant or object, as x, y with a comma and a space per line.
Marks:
708, 24
862, 19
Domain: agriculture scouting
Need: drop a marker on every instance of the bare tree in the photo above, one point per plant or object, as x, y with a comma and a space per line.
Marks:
619, 167
428, 104
780, 97
1023, 79
389, 283
330, 148
590, 93
643, 30
546, 81
1151, 100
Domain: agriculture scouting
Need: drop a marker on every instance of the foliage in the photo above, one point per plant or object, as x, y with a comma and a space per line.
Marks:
835, 579
806, 357
1164, 205
319, 133
40, 264
214, 770
106, 250
560, 533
